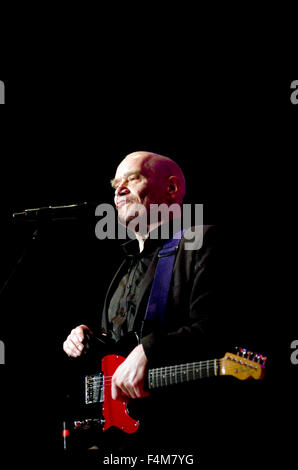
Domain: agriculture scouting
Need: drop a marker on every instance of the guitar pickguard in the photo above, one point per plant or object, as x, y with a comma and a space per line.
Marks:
115, 411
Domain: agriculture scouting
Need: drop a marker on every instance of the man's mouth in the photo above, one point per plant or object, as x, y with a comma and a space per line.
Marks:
122, 202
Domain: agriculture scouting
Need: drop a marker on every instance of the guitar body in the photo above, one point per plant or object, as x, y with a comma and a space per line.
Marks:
115, 411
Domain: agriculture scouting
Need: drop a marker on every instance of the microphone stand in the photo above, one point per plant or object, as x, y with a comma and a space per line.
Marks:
43, 216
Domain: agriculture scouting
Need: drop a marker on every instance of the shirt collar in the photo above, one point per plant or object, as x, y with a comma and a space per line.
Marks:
131, 248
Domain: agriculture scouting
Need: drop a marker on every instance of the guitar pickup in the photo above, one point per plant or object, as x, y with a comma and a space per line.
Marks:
94, 389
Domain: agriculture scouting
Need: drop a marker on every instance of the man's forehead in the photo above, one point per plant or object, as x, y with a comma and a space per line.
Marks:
126, 174
131, 163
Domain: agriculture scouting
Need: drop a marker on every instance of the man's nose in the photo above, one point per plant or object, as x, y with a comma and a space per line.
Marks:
122, 189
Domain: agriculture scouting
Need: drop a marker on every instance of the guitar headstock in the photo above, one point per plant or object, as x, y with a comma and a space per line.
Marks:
243, 365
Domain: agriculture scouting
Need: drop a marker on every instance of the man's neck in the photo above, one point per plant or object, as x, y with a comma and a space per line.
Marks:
143, 237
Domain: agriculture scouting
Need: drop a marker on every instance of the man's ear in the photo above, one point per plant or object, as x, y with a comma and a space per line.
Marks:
173, 187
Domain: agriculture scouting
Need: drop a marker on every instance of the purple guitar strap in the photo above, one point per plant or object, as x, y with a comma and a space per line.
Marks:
158, 298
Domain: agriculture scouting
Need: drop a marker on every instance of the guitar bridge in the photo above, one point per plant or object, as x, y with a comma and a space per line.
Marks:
94, 389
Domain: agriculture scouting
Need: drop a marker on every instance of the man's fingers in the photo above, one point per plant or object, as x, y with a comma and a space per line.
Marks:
121, 390
129, 377
140, 392
79, 333
76, 341
77, 336
68, 350
74, 344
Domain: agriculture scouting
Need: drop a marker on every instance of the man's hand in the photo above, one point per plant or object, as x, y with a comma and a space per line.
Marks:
73, 345
128, 379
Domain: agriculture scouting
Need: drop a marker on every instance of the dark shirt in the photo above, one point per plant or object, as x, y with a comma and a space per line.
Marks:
123, 304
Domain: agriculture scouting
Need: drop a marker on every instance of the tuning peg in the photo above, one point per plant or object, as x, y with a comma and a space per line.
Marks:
263, 359
256, 357
249, 354
243, 352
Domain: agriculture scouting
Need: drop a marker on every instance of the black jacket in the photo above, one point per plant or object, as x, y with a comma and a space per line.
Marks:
193, 323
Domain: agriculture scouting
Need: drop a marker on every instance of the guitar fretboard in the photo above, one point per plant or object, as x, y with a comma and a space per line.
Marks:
171, 375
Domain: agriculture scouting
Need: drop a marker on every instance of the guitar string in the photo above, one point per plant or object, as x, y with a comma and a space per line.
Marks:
161, 374
169, 370
204, 364
178, 367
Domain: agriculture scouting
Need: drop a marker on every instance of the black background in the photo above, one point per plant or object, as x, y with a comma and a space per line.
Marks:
226, 117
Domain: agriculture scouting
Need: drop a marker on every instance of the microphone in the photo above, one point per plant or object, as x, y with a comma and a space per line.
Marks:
52, 213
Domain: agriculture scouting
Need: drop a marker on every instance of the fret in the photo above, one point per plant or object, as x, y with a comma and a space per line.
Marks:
150, 380
156, 377
195, 370
162, 376
180, 373
207, 368
166, 375
184, 373
171, 375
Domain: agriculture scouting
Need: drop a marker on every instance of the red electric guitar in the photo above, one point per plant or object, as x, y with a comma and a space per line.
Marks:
242, 365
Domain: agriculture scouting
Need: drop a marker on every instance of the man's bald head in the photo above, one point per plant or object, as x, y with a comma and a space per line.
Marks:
161, 168
144, 182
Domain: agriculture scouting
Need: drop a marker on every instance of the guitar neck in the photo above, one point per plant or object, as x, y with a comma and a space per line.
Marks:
164, 376
231, 364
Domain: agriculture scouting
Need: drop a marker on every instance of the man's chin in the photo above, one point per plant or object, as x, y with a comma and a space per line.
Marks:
126, 217
133, 221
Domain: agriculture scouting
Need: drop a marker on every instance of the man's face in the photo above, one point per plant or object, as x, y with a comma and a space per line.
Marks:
136, 185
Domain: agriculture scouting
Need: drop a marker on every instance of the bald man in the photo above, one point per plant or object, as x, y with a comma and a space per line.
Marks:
142, 179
